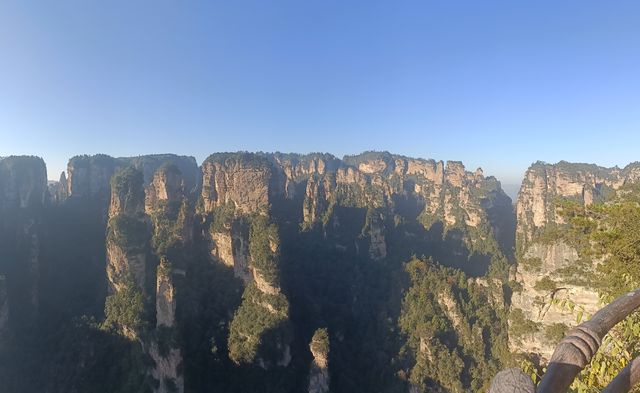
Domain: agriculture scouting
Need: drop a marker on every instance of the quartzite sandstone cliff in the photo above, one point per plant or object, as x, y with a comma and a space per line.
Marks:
543, 256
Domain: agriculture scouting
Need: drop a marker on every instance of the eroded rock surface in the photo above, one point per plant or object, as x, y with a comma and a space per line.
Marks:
550, 270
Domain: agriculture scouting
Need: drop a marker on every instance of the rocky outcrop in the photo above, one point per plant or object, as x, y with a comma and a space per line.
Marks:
230, 246
169, 204
167, 362
545, 184
165, 296
128, 231
90, 176
59, 190
319, 372
268, 342
550, 291
241, 180
247, 183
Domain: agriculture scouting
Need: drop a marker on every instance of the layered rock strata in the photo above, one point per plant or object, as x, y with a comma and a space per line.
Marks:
549, 296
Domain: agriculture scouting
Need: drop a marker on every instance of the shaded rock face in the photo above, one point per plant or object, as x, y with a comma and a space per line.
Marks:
4, 309
90, 176
166, 371
23, 182
377, 243
542, 259
59, 190
23, 196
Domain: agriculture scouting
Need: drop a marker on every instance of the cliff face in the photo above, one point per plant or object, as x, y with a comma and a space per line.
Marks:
128, 237
169, 204
545, 184
23, 195
365, 206
545, 260
150, 225
90, 176
313, 240
23, 182
387, 185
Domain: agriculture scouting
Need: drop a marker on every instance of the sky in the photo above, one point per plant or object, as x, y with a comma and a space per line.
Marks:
495, 84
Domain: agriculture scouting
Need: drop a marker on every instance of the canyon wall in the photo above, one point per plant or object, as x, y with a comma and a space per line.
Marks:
23, 197
246, 251
550, 268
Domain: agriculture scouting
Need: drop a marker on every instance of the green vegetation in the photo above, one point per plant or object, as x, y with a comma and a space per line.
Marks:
390, 327
545, 284
356, 160
555, 332
519, 325
320, 341
259, 318
264, 243
222, 217
607, 231
125, 309
169, 220
443, 342
127, 183
531, 264
85, 161
128, 232
252, 160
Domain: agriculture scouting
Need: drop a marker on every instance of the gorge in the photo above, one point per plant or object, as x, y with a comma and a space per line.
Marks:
271, 272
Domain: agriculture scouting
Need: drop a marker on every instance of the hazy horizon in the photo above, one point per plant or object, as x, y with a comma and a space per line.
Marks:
491, 84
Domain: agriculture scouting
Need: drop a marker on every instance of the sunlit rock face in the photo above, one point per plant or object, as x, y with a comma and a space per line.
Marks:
544, 183
150, 220
128, 231
242, 181
444, 196
543, 257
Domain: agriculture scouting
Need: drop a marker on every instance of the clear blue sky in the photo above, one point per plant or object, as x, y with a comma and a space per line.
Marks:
497, 84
